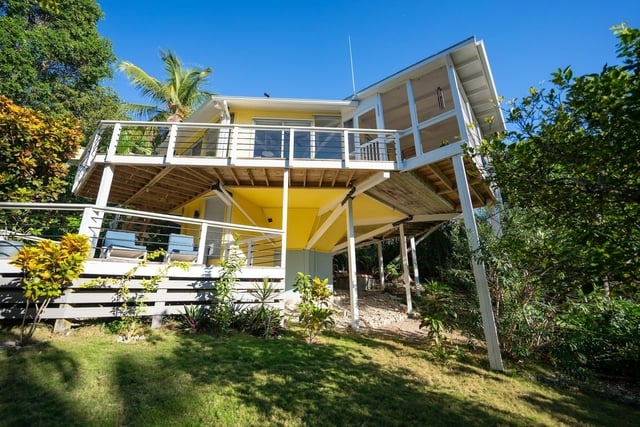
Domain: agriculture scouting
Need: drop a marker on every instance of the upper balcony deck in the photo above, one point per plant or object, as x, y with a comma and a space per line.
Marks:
183, 160
160, 166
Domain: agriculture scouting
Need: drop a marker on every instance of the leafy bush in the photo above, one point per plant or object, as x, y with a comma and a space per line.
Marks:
261, 320
133, 304
315, 315
437, 306
48, 268
222, 305
598, 333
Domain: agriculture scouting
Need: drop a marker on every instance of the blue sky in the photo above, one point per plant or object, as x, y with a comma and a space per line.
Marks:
300, 49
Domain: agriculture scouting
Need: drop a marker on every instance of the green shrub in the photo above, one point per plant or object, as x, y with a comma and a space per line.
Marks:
222, 306
315, 315
262, 319
438, 308
48, 268
601, 334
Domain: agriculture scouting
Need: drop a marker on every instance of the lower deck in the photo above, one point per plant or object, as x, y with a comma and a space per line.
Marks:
96, 294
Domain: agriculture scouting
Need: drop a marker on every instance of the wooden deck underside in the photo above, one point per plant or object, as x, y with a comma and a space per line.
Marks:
428, 190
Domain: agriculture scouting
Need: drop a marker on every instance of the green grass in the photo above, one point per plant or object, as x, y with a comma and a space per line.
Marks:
87, 379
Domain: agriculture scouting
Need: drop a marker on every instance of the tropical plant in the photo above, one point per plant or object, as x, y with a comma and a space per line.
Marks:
48, 268
261, 319
195, 318
222, 304
315, 315
564, 273
133, 303
34, 151
173, 99
437, 306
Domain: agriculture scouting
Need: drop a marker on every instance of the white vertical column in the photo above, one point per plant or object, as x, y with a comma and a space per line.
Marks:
381, 264
479, 272
414, 259
413, 113
285, 217
95, 218
202, 244
405, 268
457, 102
351, 257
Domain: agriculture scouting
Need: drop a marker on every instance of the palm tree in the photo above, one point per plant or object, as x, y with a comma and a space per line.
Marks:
174, 98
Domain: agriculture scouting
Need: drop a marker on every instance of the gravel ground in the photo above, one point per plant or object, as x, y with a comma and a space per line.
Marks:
377, 310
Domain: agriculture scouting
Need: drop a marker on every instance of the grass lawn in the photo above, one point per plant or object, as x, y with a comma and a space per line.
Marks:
173, 379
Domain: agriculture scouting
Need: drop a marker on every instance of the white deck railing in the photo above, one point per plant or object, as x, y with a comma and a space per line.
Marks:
235, 142
213, 240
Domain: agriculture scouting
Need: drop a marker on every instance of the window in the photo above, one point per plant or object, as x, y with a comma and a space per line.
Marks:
328, 145
275, 142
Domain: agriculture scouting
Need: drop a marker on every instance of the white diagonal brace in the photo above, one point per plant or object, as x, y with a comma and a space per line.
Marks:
325, 226
479, 272
361, 187
342, 246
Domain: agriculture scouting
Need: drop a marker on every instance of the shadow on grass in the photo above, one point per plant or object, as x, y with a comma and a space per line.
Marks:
30, 394
288, 382
203, 380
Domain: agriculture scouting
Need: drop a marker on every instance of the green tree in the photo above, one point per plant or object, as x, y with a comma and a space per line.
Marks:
53, 59
34, 151
174, 98
571, 165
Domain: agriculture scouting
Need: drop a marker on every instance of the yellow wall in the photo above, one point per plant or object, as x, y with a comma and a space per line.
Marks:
302, 215
247, 116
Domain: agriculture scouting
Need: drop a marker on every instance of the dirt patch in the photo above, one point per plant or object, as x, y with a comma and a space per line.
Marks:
377, 310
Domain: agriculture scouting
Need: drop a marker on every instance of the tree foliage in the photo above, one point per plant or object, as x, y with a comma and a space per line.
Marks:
572, 166
53, 58
174, 98
34, 151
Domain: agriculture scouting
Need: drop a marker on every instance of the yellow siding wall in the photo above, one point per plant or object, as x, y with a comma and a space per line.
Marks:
247, 116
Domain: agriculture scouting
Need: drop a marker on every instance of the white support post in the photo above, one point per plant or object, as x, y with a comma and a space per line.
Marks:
113, 144
381, 264
399, 159
479, 272
414, 259
171, 145
405, 269
90, 226
351, 257
102, 199
156, 320
202, 244
250, 252
234, 146
62, 324
413, 113
457, 102
285, 216
345, 152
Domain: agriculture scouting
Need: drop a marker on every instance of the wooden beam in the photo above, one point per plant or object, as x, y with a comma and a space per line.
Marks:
444, 178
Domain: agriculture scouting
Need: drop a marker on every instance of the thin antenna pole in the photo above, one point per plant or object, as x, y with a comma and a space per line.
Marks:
353, 77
